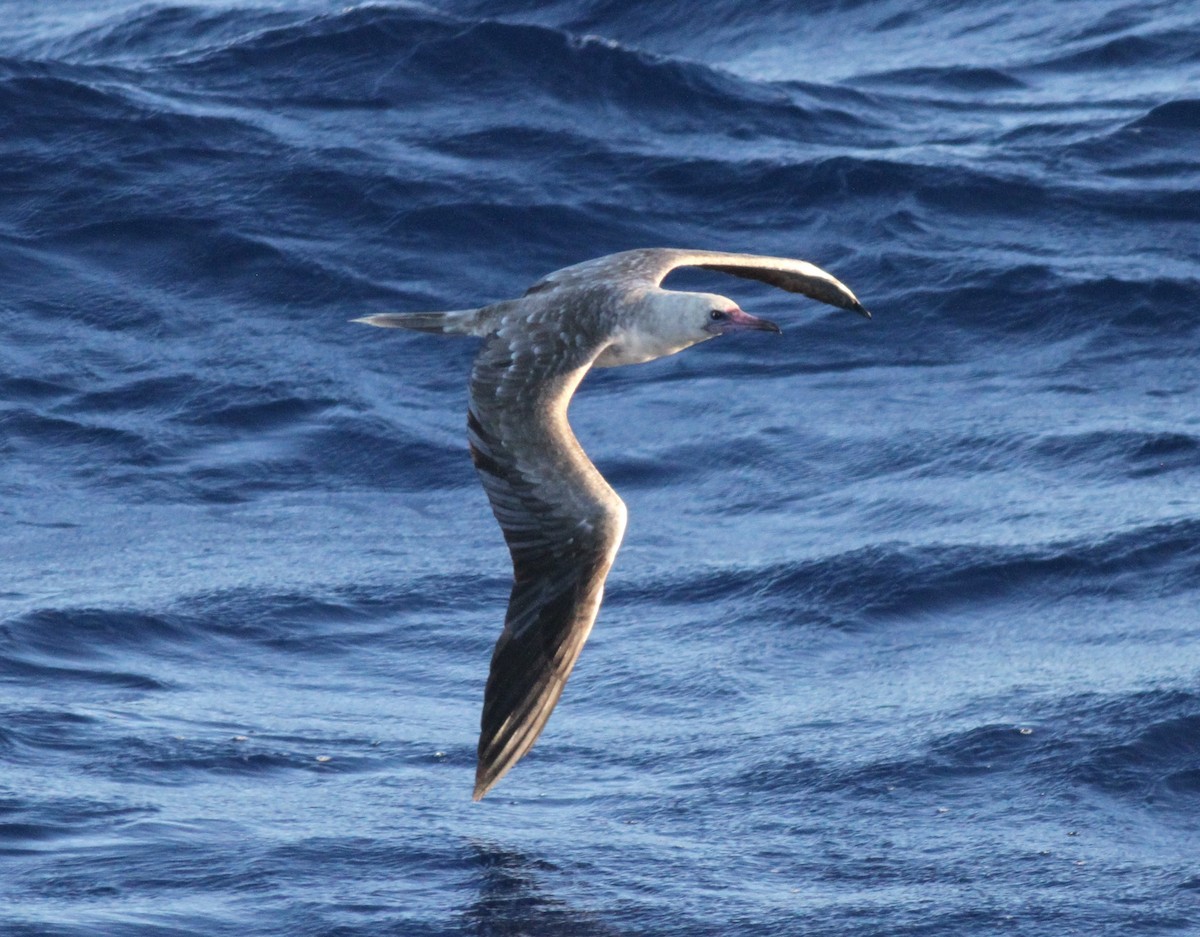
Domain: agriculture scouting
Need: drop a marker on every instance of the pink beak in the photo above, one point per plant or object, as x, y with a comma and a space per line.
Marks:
737, 321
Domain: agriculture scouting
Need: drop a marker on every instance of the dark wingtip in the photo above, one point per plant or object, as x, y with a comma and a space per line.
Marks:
484, 782
862, 310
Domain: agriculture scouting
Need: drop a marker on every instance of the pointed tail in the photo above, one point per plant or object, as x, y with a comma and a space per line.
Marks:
455, 322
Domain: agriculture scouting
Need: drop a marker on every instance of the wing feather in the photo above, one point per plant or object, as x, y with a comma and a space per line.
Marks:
561, 520
650, 266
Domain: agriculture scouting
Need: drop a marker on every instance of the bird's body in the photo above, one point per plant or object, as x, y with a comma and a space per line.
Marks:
562, 521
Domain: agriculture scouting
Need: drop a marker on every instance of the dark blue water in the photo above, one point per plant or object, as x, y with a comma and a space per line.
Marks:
904, 638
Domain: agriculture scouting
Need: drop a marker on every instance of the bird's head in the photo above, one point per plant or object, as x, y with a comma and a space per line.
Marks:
667, 321
697, 317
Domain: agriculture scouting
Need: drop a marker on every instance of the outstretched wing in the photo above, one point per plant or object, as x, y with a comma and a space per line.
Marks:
650, 266
562, 522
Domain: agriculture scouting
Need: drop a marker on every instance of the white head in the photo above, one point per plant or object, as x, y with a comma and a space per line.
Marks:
704, 315
667, 321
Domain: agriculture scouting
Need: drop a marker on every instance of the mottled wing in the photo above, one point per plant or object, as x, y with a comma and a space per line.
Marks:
652, 264
562, 522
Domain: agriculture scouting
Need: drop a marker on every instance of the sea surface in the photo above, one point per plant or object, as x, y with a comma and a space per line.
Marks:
904, 637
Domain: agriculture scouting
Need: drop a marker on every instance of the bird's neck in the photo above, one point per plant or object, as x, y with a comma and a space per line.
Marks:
631, 345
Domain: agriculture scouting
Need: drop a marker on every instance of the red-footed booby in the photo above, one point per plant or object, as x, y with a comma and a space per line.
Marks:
562, 521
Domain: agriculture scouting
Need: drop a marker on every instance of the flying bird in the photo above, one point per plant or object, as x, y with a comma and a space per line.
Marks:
561, 520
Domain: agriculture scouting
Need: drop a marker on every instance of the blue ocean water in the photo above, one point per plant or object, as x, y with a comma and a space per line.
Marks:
903, 638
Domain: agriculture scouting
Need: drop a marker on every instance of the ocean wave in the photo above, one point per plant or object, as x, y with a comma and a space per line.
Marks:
896, 581
84, 444
152, 32
48, 102
89, 634
1141, 747
89, 647
27, 826
45, 673
1134, 454
131, 649
901, 601
175, 437
1144, 746
1146, 49
469, 57
953, 80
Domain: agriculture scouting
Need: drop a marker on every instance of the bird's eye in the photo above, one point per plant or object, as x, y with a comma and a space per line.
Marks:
716, 315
